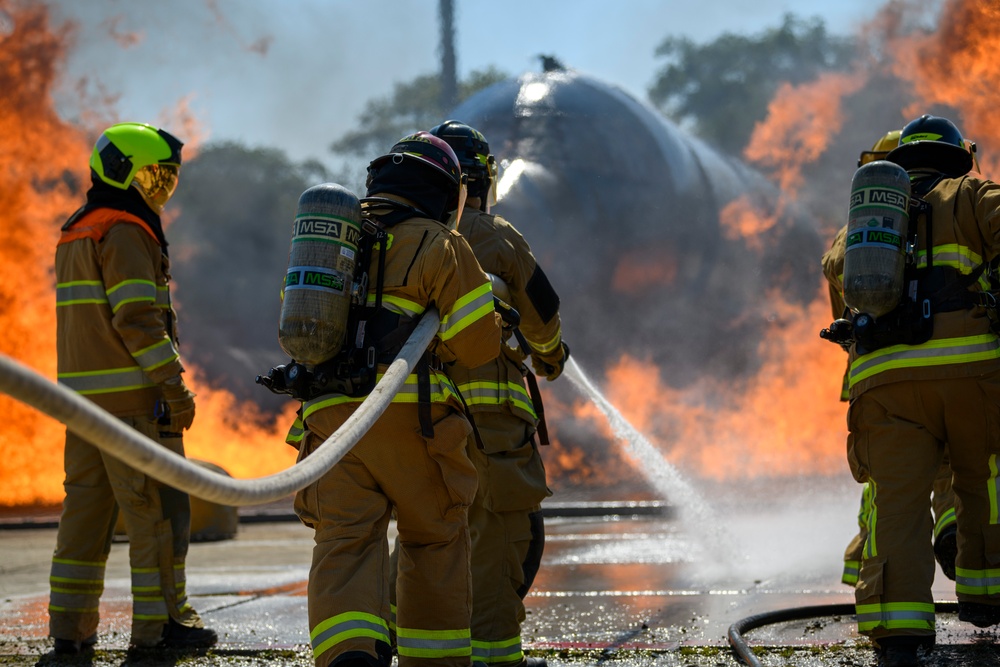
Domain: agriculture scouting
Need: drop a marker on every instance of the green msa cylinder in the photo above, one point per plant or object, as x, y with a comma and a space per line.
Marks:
317, 293
876, 238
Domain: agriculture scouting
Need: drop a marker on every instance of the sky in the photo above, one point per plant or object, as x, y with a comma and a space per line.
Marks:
295, 74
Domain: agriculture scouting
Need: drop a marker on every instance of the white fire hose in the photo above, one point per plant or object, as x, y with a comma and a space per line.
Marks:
116, 438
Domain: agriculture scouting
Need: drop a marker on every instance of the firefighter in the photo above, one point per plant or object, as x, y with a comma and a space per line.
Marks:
116, 341
942, 497
505, 519
917, 391
413, 461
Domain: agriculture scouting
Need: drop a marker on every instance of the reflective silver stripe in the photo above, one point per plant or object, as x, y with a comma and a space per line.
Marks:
80, 291
441, 388
481, 392
146, 579
76, 571
105, 382
932, 353
548, 346
131, 291
149, 607
156, 355
162, 296
508, 650
468, 309
427, 647
65, 599
977, 582
918, 615
346, 626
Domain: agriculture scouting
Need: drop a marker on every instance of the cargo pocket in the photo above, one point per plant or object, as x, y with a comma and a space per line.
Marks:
447, 450
516, 479
857, 444
306, 504
991, 540
870, 580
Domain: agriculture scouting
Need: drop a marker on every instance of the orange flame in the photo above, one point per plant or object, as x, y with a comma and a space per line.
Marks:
785, 420
43, 167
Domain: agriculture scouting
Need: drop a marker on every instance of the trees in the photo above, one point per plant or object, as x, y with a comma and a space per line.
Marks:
412, 106
719, 90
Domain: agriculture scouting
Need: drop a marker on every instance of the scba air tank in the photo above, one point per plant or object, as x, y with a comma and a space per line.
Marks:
876, 238
317, 294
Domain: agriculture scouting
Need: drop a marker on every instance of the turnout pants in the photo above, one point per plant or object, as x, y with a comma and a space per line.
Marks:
430, 483
898, 436
157, 520
508, 535
942, 505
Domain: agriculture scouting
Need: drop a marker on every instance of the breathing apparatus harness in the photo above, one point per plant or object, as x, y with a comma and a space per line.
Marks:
927, 290
374, 335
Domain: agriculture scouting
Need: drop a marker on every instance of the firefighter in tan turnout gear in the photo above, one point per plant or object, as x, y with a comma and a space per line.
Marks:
942, 497
414, 460
924, 379
117, 346
505, 518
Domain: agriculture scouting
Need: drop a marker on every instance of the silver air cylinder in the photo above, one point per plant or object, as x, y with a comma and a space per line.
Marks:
876, 238
317, 293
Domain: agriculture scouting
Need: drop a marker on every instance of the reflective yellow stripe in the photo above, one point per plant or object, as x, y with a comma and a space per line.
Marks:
488, 653
398, 305
871, 548
851, 570
350, 624
441, 391
468, 309
80, 291
156, 355
131, 291
991, 489
946, 520
414, 643
937, 352
977, 582
106, 381
483, 392
895, 615
548, 345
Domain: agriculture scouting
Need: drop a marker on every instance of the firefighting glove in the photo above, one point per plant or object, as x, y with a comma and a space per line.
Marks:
548, 367
179, 409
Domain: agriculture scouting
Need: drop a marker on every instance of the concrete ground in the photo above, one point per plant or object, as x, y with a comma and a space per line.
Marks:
625, 586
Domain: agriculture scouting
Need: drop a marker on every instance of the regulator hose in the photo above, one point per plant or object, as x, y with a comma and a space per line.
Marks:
745, 653
113, 436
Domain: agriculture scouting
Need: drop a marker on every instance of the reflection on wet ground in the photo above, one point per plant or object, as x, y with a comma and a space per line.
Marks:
647, 584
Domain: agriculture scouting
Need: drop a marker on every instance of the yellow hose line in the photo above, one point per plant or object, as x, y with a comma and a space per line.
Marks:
116, 438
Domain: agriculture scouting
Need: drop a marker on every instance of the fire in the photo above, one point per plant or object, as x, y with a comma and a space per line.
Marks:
742, 219
801, 122
43, 165
638, 270
955, 66
784, 421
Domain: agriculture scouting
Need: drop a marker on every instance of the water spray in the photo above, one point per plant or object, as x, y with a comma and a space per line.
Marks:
663, 476
113, 436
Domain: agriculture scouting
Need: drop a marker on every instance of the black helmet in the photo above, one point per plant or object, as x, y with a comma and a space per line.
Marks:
423, 169
932, 142
473, 154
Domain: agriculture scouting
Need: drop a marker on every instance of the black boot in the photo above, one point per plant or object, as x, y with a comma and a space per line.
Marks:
180, 636
535, 662
901, 651
946, 550
979, 614
73, 647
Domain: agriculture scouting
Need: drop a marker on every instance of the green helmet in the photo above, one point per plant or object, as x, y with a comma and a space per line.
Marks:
140, 156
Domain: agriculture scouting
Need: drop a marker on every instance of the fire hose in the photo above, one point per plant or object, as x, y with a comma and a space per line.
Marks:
745, 653
116, 438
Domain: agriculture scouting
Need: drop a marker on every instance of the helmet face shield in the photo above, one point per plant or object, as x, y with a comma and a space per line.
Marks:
463, 194
157, 183
490, 164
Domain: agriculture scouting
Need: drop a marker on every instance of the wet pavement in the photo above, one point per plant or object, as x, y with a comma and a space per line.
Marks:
622, 584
